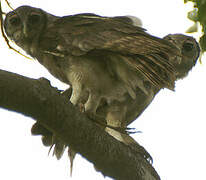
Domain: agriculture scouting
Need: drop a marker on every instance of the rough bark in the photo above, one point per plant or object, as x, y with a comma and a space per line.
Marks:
37, 99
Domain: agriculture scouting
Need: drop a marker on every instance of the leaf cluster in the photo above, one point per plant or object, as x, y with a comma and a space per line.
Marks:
198, 15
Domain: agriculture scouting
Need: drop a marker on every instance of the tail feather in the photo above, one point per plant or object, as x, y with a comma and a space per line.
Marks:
71, 154
59, 149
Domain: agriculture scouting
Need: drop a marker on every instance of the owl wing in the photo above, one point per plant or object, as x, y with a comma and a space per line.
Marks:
88, 33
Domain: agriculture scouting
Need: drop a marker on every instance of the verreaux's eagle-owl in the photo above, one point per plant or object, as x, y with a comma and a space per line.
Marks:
107, 61
101, 58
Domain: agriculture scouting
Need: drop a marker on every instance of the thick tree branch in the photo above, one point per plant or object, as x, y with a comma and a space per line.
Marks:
37, 99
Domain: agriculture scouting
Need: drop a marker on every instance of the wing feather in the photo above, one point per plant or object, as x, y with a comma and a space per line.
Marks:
85, 33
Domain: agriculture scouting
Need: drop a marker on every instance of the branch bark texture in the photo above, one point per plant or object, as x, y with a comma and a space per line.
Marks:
37, 99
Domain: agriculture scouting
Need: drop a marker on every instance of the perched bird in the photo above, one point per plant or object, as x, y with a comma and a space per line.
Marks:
93, 53
190, 52
110, 64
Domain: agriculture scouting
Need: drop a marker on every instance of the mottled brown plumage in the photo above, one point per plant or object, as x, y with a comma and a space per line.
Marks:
114, 68
190, 52
62, 42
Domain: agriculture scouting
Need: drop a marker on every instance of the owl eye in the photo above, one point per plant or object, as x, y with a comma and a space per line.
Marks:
34, 18
14, 21
188, 46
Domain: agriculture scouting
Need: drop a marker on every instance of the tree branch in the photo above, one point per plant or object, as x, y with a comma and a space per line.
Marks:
37, 99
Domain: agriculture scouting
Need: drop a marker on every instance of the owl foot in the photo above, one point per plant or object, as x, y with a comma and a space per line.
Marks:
100, 121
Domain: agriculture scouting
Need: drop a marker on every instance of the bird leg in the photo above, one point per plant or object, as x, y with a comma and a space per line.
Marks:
115, 117
92, 104
76, 93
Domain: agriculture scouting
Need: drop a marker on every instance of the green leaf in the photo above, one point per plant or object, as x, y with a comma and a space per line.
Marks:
203, 42
192, 29
193, 15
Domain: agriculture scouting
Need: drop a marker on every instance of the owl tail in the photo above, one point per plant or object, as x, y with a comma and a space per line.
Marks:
58, 151
71, 154
58, 147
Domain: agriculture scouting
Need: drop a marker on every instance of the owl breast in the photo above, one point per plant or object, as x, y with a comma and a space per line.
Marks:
92, 75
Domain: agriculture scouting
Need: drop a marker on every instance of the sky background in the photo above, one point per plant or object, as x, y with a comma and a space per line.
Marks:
173, 126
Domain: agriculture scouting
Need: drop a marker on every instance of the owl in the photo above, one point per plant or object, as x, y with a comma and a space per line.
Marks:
190, 52
101, 58
113, 67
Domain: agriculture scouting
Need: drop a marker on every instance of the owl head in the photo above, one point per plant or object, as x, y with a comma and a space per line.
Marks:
190, 51
24, 25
